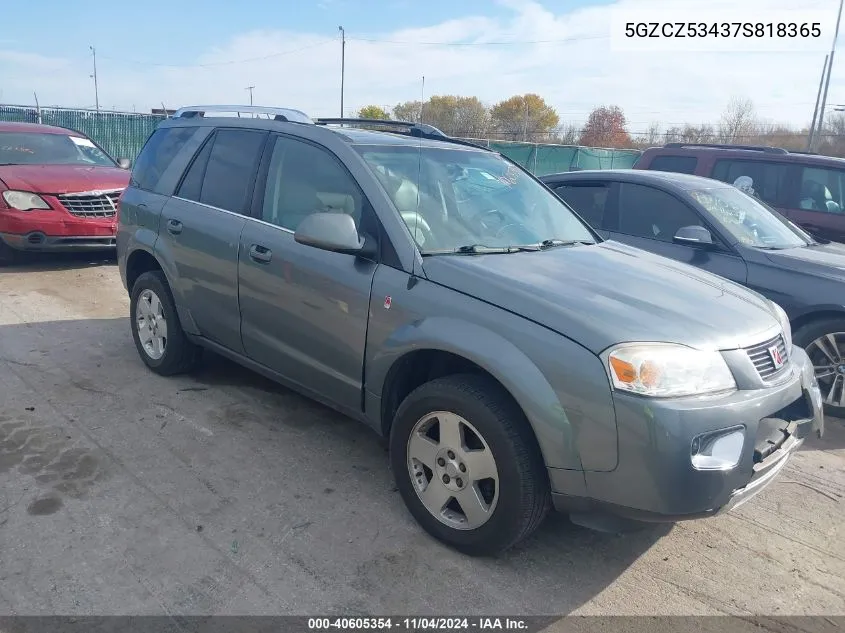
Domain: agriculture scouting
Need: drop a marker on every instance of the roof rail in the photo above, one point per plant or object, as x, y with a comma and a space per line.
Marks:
755, 148
419, 130
278, 114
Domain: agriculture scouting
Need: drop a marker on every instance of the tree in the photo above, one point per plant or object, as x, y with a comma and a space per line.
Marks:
566, 134
373, 112
408, 111
606, 127
524, 117
457, 116
738, 123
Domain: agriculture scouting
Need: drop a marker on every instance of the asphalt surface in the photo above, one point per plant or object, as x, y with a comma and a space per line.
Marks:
122, 492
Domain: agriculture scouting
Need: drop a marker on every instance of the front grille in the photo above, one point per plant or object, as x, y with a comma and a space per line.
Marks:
91, 205
762, 358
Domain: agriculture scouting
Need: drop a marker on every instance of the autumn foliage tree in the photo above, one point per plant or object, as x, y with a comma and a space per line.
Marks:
373, 112
606, 127
524, 117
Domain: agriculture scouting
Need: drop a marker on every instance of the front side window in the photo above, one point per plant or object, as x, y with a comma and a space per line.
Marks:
651, 213
764, 180
822, 190
303, 179
749, 221
451, 199
34, 148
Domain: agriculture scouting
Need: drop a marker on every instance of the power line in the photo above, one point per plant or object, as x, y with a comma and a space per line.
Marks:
501, 43
226, 63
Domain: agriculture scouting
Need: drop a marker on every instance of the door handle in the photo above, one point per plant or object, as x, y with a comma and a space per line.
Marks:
174, 227
260, 254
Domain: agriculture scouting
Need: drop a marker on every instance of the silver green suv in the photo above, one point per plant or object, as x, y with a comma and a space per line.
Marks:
443, 296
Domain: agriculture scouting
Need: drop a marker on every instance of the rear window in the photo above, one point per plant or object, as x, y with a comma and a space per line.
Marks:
158, 152
676, 164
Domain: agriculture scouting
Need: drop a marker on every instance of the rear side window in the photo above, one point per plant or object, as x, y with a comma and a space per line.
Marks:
677, 164
223, 173
158, 152
589, 201
768, 181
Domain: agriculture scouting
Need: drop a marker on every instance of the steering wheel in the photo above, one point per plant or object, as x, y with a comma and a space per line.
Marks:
419, 228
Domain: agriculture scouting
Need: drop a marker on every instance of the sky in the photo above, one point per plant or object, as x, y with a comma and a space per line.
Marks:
183, 53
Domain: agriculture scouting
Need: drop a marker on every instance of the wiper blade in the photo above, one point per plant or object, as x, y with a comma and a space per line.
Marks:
481, 249
557, 242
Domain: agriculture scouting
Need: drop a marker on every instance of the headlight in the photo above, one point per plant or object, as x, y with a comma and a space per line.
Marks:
664, 370
787, 328
24, 200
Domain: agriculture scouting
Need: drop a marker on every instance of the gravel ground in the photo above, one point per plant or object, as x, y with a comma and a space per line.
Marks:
122, 492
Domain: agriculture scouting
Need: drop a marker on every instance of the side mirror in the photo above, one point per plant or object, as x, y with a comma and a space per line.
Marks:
124, 163
693, 236
334, 232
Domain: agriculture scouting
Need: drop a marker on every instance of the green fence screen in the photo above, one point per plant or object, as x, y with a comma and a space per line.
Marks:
122, 134
542, 159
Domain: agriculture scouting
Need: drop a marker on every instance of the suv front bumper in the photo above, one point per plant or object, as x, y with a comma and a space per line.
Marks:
655, 479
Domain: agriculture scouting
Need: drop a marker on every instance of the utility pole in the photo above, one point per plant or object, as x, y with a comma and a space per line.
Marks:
250, 88
816, 111
829, 72
342, 65
96, 87
525, 121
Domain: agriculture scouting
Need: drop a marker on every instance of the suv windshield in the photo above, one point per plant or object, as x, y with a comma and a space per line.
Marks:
748, 220
33, 148
470, 200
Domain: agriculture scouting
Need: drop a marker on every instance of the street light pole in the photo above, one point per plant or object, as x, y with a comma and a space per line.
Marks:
829, 72
250, 88
96, 87
816, 111
342, 65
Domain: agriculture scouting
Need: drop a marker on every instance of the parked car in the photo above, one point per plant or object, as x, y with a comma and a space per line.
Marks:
807, 188
58, 191
718, 228
511, 356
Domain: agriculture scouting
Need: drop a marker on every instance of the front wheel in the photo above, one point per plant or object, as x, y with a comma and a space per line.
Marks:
824, 342
467, 464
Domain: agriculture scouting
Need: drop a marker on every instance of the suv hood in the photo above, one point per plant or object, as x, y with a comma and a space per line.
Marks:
63, 178
611, 293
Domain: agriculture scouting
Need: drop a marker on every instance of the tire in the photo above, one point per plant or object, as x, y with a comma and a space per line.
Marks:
8, 255
178, 354
806, 337
521, 497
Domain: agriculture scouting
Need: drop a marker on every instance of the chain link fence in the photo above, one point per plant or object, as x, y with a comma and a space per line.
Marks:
122, 134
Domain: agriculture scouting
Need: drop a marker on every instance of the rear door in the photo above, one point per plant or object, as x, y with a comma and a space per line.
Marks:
201, 226
648, 218
304, 311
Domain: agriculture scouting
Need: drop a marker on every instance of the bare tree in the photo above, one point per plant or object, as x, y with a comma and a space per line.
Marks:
566, 134
739, 122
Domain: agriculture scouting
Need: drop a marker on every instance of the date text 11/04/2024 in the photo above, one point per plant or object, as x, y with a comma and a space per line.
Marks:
418, 624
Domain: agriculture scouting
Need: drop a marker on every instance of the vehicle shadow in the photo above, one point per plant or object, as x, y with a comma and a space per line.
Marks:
252, 443
41, 262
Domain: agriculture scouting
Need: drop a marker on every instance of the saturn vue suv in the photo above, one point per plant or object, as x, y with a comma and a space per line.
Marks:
442, 295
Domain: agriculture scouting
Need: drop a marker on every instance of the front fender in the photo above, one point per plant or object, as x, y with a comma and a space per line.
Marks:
502, 360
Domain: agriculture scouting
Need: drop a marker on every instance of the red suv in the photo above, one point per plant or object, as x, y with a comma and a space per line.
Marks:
58, 191
807, 188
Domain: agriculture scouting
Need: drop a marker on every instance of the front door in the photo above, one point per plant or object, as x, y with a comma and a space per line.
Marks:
200, 230
648, 218
304, 310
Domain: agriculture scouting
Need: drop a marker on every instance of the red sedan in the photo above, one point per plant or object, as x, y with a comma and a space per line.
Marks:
58, 191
